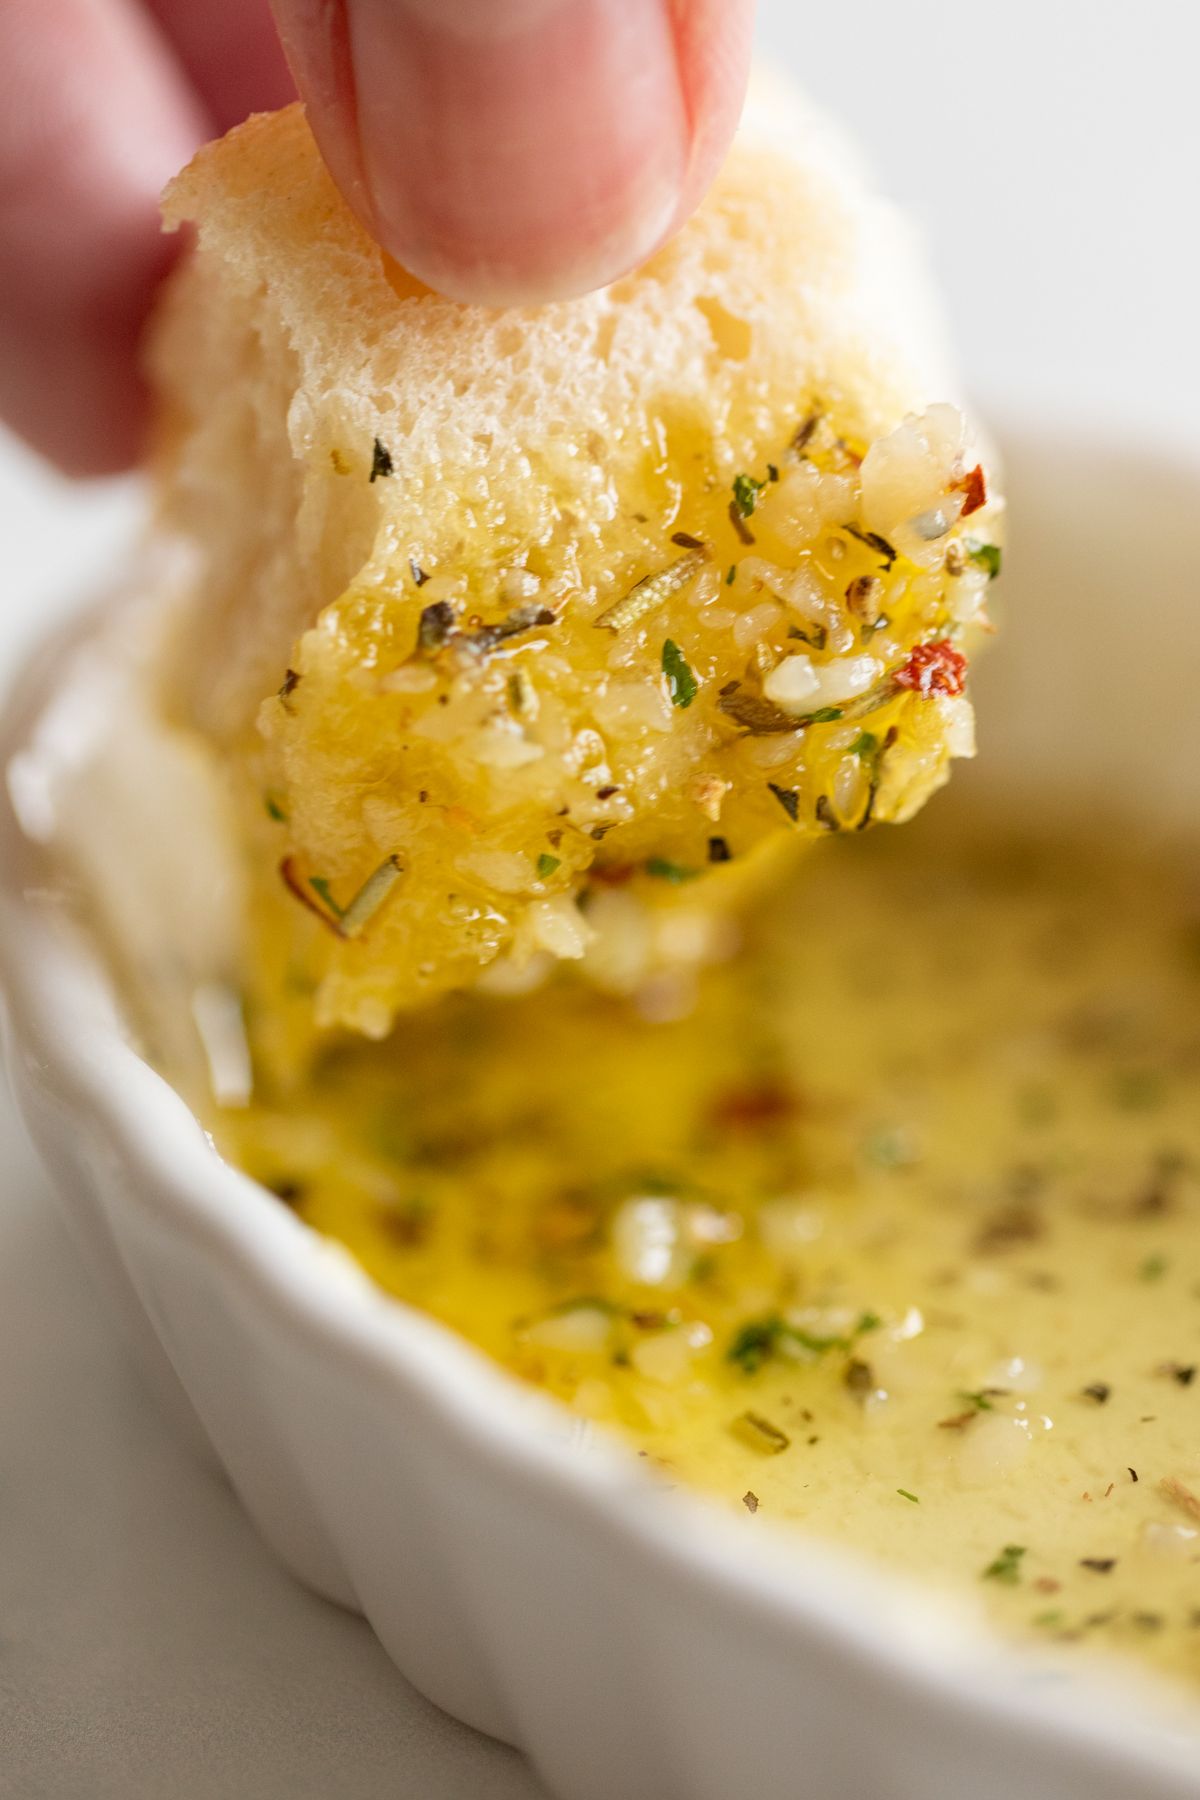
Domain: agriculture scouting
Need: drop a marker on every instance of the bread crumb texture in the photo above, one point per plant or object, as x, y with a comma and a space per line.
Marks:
539, 635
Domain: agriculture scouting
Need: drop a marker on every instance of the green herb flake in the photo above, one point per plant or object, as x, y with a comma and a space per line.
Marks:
865, 745
745, 493
1007, 1566
985, 556
320, 886
682, 685
547, 864
905, 1495
731, 575
381, 461
868, 1321
760, 1434
660, 869
824, 715
979, 1399
1152, 1268
274, 810
1049, 1620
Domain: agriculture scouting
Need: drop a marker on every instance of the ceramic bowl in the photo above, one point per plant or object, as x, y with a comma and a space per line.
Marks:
522, 1570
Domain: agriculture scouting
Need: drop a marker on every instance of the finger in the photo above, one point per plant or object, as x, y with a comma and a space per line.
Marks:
94, 117
231, 52
518, 150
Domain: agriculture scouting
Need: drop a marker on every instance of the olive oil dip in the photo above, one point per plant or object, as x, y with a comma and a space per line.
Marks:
891, 1235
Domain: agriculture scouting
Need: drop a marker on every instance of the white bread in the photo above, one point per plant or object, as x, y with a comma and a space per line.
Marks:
291, 335
332, 434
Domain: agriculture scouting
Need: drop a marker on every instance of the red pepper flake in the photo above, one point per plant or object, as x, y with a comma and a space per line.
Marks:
973, 487
934, 669
612, 874
755, 1107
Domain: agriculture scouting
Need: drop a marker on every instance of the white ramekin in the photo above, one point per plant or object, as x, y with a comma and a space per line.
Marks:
521, 1570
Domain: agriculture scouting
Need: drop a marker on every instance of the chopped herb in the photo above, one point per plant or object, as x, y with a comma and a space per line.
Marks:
1152, 1268
865, 744
985, 556
320, 886
859, 1377
417, 572
436, 624
757, 715
745, 494
979, 1399
547, 864
816, 638
731, 575
661, 870
788, 798
905, 1495
758, 1340
772, 472
761, 1434
1098, 1391
682, 685
804, 432
1007, 1566
867, 1321
1099, 1565
291, 681
825, 814
1048, 1620
371, 896
719, 851
302, 893
521, 696
754, 1344
381, 461
750, 1501
686, 541
1133, 1474
653, 591
824, 715
523, 618
873, 541
274, 810
288, 1189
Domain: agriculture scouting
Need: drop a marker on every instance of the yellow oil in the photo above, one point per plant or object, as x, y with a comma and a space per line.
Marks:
895, 1237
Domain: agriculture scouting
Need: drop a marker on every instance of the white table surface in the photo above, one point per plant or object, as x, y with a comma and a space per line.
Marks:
149, 1647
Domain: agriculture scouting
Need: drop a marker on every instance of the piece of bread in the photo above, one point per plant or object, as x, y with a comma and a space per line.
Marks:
426, 617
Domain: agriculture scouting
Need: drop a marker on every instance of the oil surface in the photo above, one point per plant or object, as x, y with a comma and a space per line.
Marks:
894, 1237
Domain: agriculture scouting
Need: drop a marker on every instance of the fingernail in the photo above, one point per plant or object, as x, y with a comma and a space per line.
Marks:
519, 150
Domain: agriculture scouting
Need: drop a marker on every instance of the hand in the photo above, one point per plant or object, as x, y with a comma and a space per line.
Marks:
503, 150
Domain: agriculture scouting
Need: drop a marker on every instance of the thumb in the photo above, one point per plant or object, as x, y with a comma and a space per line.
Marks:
508, 151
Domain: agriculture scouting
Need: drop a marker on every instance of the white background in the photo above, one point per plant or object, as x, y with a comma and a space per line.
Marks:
148, 1646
